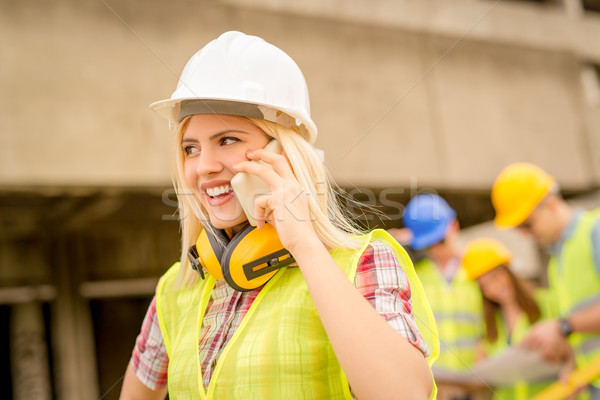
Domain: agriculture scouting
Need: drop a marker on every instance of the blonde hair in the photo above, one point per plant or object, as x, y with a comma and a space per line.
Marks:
332, 225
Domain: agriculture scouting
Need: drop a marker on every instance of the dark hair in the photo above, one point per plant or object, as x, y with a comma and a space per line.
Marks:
525, 300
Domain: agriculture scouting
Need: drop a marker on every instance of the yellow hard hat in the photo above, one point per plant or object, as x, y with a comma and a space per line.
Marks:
518, 189
483, 255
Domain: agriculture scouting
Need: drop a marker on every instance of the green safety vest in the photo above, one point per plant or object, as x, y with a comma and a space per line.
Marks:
280, 350
575, 279
458, 310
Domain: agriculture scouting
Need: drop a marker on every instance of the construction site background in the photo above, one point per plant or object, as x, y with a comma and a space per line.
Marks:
409, 97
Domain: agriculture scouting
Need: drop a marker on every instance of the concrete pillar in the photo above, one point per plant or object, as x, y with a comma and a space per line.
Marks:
29, 355
590, 82
73, 335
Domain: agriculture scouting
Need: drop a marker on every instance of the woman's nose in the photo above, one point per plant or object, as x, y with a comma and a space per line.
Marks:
209, 162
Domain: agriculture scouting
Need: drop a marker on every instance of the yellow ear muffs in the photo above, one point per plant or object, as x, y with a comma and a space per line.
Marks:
209, 249
246, 262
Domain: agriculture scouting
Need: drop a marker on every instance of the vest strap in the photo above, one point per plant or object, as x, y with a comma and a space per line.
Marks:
590, 345
461, 343
585, 304
458, 317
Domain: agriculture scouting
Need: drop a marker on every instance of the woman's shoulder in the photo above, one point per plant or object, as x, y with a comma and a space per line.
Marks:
378, 249
380, 246
384, 246
378, 255
170, 282
171, 273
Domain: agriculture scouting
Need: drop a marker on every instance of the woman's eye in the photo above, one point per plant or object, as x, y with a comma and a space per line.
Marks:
229, 140
189, 150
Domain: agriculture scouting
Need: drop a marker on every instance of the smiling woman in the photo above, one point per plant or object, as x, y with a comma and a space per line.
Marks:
335, 317
212, 144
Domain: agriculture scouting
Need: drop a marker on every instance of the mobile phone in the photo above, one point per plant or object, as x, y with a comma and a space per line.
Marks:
247, 186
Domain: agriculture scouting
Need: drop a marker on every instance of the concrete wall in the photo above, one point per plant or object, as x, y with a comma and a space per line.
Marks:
448, 100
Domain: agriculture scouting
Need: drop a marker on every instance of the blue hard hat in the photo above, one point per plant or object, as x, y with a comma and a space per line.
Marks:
428, 216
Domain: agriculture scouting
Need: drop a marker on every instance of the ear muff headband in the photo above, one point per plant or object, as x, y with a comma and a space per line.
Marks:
246, 262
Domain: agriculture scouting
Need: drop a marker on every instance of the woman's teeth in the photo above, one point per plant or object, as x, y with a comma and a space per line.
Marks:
218, 190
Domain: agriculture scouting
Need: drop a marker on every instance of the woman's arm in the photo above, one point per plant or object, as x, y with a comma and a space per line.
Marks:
150, 359
546, 338
480, 353
134, 389
378, 362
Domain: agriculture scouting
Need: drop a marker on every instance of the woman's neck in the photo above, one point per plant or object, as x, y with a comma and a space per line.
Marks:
443, 256
511, 312
232, 231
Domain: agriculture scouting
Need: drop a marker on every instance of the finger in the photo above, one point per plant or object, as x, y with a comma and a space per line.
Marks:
278, 161
552, 358
548, 354
533, 340
262, 211
526, 342
262, 171
259, 211
563, 378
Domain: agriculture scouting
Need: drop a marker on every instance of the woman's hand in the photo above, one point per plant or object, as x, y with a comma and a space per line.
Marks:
545, 338
377, 361
286, 207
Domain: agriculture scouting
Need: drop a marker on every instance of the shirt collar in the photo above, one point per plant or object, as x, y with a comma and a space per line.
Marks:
450, 269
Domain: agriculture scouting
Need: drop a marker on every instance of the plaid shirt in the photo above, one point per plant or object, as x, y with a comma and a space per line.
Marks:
379, 278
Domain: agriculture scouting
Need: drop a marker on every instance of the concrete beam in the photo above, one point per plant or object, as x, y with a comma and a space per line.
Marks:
27, 294
433, 82
522, 24
118, 288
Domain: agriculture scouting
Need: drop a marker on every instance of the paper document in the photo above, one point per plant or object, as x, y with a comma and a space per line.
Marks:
513, 365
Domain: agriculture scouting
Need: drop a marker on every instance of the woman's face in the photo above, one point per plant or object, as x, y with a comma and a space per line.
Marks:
497, 286
211, 145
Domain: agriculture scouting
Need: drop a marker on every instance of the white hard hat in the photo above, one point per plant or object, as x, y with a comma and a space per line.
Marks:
238, 74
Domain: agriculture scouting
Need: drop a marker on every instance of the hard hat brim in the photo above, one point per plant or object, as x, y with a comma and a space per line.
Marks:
171, 109
507, 221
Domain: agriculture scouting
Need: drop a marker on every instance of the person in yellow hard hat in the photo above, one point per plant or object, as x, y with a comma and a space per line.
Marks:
526, 197
510, 306
303, 305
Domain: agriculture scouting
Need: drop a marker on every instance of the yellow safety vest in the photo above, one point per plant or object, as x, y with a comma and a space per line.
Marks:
458, 310
280, 350
520, 390
575, 279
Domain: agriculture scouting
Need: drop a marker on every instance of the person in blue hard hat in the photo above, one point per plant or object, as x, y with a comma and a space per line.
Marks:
455, 300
